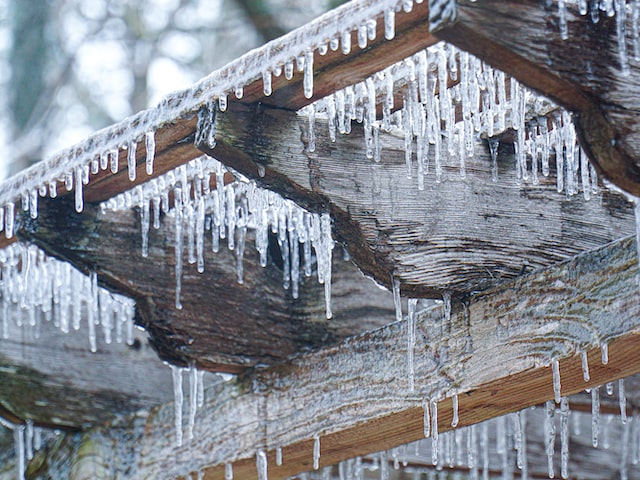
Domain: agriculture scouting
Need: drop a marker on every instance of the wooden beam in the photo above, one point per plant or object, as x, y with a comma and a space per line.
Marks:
495, 353
581, 73
53, 379
223, 325
461, 235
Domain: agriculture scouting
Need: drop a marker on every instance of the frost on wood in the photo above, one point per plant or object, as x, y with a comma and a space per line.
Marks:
228, 212
35, 288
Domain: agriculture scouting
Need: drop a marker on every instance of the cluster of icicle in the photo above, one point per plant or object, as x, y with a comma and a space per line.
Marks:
27, 439
622, 10
498, 444
450, 98
35, 288
71, 169
229, 212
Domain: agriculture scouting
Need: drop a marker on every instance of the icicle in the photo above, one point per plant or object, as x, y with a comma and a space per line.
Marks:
200, 388
193, 401
484, 446
150, 144
389, 23
93, 312
239, 92
362, 36
18, 441
222, 102
114, 160
411, 341
605, 353
176, 374
624, 460
522, 453
144, 227
455, 419
623, 401
555, 366
562, 15
200, 219
621, 35
434, 432
426, 427
517, 437
550, 435
609, 388
595, 415
33, 204
131, 160
585, 365
9, 219
261, 464
308, 74
494, 144
279, 456
346, 41
316, 452
179, 244
564, 437
228, 471
29, 439
267, 83
395, 282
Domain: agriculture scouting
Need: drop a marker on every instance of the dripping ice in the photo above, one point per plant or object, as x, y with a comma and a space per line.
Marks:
36, 289
228, 212
489, 102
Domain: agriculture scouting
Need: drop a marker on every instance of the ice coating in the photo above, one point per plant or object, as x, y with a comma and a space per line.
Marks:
140, 128
36, 288
229, 211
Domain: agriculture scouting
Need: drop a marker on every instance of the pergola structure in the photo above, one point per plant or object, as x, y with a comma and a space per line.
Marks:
440, 147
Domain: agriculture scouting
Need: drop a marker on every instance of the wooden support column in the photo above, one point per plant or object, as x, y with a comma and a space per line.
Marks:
582, 73
495, 353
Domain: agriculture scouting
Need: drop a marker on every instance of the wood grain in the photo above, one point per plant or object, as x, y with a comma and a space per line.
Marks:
462, 235
495, 354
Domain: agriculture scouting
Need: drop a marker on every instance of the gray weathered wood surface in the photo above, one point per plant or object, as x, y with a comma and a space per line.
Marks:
461, 235
359, 387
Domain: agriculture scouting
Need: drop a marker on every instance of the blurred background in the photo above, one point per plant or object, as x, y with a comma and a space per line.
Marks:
70, 67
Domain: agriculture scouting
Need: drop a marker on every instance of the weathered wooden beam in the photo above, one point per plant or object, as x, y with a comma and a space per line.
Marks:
495, 353
462, 234
581, 73
223, 325
53, 379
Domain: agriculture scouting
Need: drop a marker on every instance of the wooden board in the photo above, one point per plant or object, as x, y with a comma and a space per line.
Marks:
495, 354
462, 235
223, 325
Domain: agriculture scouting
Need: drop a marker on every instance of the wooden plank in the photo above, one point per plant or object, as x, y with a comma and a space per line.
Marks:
495, 353
223, 325
581, 73
462, 234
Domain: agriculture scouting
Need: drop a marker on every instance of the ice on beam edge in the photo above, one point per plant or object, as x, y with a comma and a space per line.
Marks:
229, 212
72, 168
36, 288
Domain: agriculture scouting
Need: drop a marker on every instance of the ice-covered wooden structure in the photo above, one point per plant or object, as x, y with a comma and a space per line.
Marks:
477, 159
